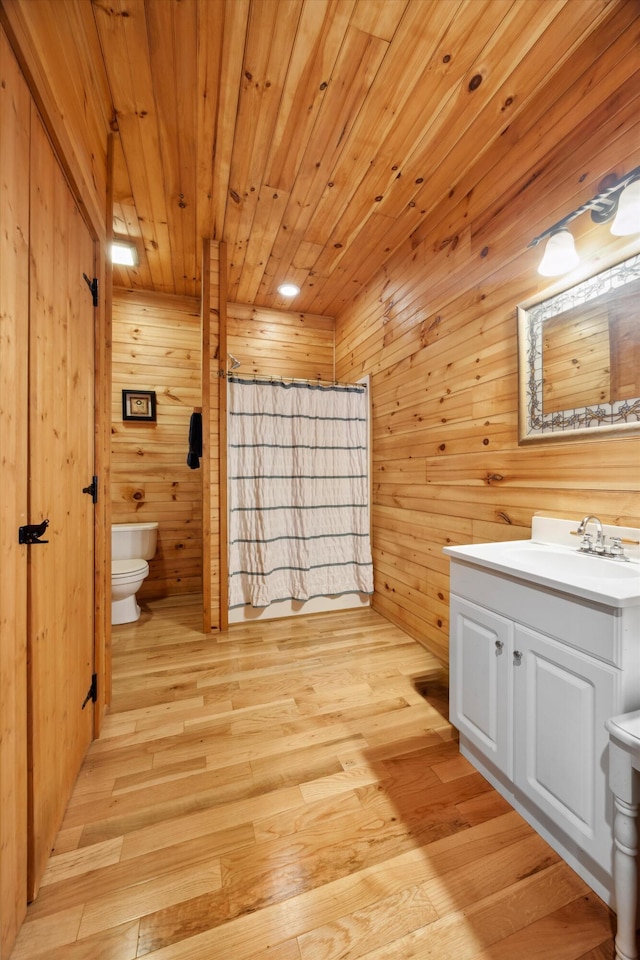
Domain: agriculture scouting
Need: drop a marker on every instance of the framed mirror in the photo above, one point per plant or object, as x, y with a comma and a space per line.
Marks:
579, 359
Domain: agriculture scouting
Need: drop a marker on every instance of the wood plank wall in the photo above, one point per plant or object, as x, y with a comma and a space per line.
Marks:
280, 343
436, 329
156, 346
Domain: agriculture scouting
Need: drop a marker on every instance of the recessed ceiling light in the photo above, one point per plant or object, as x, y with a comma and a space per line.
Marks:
124, 254
288, 290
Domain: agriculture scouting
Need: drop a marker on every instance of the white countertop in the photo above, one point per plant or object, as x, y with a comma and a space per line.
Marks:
613, 583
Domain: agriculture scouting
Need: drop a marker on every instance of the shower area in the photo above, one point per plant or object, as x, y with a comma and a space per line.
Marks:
286, 471
298, 496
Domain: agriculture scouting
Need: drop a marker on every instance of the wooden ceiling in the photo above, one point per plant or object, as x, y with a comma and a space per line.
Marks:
312, 136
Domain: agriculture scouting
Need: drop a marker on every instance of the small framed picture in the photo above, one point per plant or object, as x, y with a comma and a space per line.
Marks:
138, 405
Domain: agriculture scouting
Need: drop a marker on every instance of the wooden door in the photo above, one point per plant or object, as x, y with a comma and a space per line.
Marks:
61, 431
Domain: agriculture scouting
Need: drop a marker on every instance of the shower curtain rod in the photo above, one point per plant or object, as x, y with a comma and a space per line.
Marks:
277, 377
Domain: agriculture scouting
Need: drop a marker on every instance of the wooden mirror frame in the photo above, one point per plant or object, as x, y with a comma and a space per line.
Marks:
603, 417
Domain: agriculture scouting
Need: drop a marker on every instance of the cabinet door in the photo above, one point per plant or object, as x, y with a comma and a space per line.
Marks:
480, 693
562, 700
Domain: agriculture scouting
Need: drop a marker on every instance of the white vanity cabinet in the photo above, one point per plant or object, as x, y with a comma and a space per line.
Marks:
534, 675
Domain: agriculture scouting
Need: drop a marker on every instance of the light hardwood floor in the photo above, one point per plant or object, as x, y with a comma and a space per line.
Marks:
293, 791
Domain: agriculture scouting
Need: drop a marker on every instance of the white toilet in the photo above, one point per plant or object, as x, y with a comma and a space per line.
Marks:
132, 544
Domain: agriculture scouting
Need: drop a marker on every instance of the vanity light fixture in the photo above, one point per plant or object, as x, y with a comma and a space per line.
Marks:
288, 290
124, 254
618, 197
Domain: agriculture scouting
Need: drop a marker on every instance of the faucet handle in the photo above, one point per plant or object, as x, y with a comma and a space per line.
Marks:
616, 548
585, 543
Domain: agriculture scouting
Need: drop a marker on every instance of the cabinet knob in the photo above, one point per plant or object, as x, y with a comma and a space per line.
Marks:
499, 645
517, 656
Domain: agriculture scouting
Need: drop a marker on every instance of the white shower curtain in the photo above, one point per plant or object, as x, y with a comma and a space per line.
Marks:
298, 491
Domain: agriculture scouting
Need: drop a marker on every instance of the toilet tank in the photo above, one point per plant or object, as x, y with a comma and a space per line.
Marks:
133, 541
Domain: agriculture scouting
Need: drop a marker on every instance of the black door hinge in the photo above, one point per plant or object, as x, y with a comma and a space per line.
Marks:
93, 691
93, 286
92, 489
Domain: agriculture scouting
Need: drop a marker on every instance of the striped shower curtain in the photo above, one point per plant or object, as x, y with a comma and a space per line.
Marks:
298, 491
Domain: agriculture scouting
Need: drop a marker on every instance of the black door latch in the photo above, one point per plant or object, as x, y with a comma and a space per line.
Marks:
32, 532
93, 691
92, 489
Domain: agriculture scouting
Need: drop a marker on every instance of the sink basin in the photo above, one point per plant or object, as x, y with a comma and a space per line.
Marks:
561, 563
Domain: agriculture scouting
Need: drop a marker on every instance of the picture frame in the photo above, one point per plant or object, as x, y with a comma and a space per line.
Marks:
139, 405
578, 353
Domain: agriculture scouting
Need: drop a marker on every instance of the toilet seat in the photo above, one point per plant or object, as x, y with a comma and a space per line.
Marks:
124, 570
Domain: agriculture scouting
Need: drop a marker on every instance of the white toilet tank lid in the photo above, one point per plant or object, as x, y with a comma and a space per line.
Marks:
120, 568
143, 525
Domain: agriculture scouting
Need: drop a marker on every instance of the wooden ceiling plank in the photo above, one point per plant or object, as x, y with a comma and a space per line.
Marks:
306, 255
210, 30
448, 129
394, 84
368, 255
271, 32
269, 212
139, 276
505, 104
119, 220
123, 35
317, 45
187, 134
595, 86
440, 184
430, 107
357, 66
122, 191
171, 27
272, 278
193, 124
126, 224
233, 42
380, 18
153, 228
318, 42
554, 109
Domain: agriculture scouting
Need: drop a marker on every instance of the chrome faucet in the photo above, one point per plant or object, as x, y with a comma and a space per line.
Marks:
586, 545
614, 552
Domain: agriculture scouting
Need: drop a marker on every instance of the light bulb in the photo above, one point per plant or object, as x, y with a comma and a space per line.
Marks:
288, 290
560, 255
627, 219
